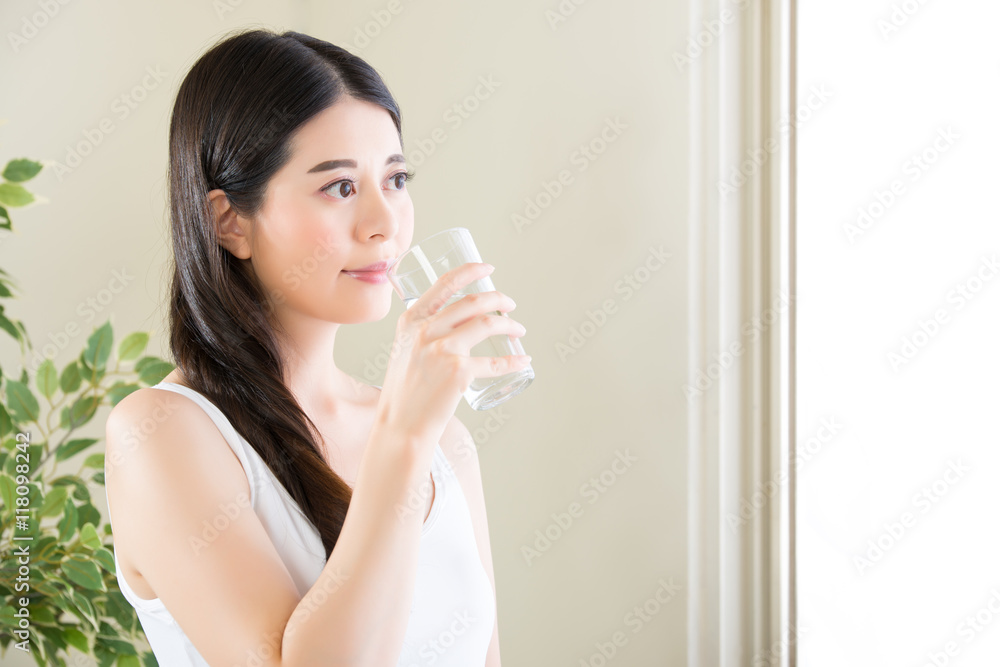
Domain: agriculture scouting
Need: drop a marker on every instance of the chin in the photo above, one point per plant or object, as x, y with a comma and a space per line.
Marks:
374, 310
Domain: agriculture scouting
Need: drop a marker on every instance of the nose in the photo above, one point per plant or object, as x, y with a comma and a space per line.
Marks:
377, 215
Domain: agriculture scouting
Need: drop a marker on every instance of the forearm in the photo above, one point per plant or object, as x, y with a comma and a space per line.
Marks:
358, 610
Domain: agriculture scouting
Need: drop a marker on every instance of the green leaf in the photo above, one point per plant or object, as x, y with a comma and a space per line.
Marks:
14, 195
89, 536
10, 327
83, 409
73, 447
154, 372
98, 477
89, 513
118, 608
47, 379
8, 490
105, 559
4, 218
95, 461
6, 425
118, 647
41, 614
83, 572
120, 390
55, 499
76, 639
67, 525
69, 381
22, 403
133, 345
128, 661
50, 551
85, 608
105, 656
7, 617
80, 491
99, 346
21, 169
145, 361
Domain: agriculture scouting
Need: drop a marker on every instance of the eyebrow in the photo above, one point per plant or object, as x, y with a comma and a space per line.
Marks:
336, 164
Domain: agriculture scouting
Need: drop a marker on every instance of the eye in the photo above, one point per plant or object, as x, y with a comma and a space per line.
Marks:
337, 189
400, 178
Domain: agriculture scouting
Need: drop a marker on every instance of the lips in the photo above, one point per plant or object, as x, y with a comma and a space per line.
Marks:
377, 267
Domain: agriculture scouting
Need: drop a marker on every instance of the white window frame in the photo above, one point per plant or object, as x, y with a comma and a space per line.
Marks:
741, 606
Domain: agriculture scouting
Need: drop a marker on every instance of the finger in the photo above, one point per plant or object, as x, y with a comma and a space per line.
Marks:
467, 307
489, 367
437, 295
480, 327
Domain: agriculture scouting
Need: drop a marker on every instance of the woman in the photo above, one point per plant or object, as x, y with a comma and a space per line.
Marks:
267, 508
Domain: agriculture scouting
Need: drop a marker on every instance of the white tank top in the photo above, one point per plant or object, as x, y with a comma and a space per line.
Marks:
453, 610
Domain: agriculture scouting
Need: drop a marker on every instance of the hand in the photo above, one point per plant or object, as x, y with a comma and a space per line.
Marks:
429, 365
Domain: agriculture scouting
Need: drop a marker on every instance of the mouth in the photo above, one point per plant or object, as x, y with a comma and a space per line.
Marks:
373, 273
377, 267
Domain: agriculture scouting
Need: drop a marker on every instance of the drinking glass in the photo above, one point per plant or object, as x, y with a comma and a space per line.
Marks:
416, 270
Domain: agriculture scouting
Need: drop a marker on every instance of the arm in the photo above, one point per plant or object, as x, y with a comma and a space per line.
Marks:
460, 449
233, 596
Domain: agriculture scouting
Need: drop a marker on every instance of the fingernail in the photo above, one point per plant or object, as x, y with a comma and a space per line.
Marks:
489, 266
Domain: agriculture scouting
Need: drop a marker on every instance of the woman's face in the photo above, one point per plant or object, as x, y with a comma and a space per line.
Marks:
340, 203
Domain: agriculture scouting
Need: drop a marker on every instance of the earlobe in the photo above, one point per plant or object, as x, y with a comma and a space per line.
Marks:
230, 227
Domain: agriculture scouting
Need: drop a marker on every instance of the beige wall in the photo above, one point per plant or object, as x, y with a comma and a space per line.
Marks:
555, 90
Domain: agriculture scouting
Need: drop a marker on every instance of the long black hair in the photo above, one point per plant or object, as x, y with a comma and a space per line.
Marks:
230, 129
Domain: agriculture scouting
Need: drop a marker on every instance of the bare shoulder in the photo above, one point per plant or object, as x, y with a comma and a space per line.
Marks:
150, 424
159, 441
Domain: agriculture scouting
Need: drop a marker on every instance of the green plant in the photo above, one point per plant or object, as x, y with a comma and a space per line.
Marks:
71, 592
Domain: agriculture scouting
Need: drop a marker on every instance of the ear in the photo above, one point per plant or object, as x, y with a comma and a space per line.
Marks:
230, 228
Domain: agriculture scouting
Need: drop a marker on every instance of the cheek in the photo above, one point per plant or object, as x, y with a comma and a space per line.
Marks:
300, 257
